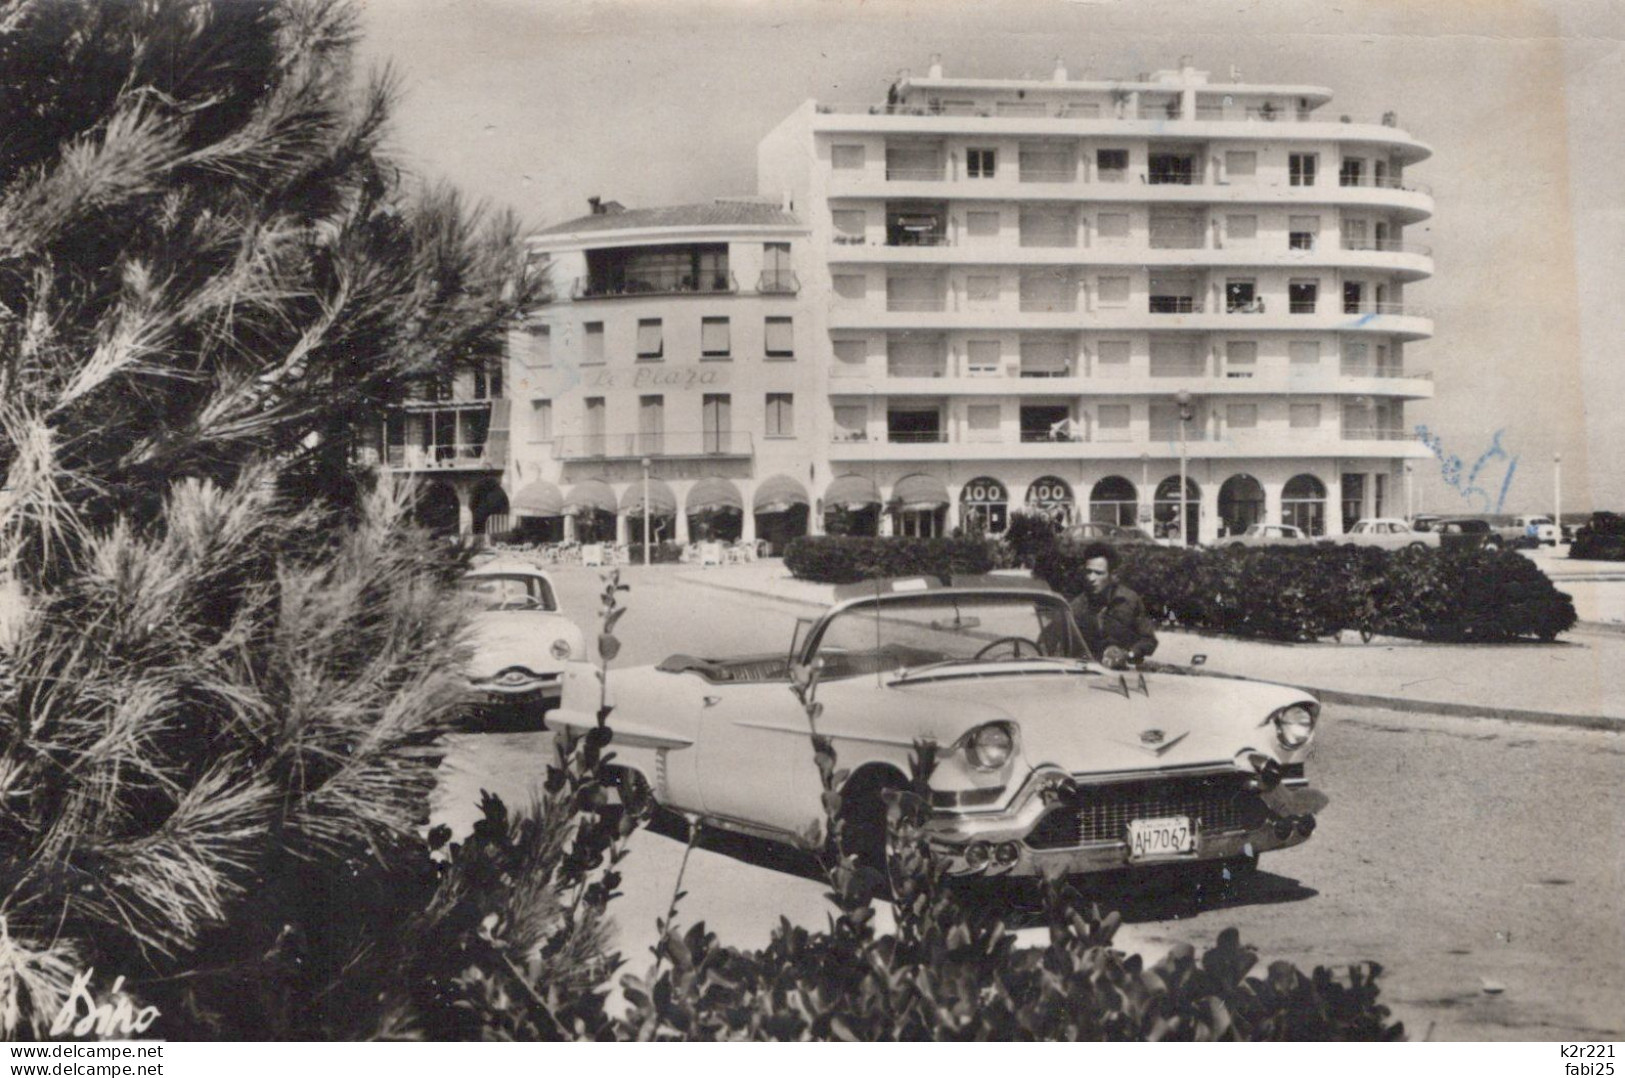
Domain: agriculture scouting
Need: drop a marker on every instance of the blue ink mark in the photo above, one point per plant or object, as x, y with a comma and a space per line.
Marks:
1451, 468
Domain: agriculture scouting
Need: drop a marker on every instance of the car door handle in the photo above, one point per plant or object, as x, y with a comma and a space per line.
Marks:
712, 701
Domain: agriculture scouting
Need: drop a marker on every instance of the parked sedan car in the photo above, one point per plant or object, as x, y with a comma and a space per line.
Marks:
1047, 761
1389, 534
1268, 535
521, 643
1468, 533
1090, 531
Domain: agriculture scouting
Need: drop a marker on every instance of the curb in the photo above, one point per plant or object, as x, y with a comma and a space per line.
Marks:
1607, 723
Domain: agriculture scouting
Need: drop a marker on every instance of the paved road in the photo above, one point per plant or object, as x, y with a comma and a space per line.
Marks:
1479, 861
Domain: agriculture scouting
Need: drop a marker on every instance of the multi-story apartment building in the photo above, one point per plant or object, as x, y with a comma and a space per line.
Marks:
1041, 289
678, 349
452, 433
1051, 294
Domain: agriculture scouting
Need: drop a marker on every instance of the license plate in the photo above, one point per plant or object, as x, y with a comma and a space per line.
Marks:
1164, 836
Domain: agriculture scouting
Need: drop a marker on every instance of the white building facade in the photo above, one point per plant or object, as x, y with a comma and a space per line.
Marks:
677, 348
1038, 289
983, 296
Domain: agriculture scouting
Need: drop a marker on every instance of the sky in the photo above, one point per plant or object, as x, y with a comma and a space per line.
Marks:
539, 104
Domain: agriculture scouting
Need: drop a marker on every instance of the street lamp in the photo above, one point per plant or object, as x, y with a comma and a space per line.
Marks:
1145, 517
645, 511
1183, 399
1410, 506
1557, 497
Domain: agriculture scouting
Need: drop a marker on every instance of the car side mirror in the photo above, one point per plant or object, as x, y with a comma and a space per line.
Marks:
1198, 660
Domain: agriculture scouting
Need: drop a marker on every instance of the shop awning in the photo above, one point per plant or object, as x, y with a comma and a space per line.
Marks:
777, 493
851, 492
714, 493
662, 502
587, 496
538, 499
919, 492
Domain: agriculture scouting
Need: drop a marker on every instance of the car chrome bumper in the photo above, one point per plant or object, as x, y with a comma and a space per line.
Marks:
1001, 844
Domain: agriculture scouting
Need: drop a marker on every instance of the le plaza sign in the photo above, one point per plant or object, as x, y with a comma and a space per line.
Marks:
657, 376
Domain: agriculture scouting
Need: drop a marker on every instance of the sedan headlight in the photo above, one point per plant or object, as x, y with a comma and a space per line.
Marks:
1294, 726
988, 748
561, 649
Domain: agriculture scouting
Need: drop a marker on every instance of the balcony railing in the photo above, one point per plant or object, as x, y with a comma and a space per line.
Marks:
1098, 110
710, 443
1046, 434
1045, 372
778, 283
1048, 175
918, 239
917, 175
1407, 309
1376, 434
916, 437
917, 370
1390, 246
1173, 305
440, 457
656, 284
1392, 183
936, 303
1370, 370
1049, 306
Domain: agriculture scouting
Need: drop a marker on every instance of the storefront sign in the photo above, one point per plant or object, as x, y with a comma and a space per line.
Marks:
657, 376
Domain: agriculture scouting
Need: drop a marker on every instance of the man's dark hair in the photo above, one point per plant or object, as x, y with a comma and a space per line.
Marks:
1102, 550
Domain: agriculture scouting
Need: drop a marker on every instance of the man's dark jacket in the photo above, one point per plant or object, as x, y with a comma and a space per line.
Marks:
1118, 618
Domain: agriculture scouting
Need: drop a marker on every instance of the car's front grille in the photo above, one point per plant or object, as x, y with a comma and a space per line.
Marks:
1102, 813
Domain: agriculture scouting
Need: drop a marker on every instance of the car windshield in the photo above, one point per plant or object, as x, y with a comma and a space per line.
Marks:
908, 632
516, 591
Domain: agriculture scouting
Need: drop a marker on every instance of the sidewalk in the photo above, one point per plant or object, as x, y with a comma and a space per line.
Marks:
1572, 683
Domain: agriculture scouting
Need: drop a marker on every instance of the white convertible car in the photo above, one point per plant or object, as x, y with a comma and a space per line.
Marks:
1046, 760
521, 643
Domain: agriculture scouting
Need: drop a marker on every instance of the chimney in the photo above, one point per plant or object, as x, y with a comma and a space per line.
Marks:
597, 205
787, 201
936, 66
1060, 70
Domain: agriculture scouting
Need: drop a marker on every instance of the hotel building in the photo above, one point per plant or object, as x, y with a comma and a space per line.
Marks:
989, 294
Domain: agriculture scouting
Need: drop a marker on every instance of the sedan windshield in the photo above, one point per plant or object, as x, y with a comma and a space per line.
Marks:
908, 632
518, 591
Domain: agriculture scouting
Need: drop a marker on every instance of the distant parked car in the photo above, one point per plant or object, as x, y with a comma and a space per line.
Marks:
1390, 534
1425, 522
521, 643
1117, 534
1469, 533
1537, 528
1268, 535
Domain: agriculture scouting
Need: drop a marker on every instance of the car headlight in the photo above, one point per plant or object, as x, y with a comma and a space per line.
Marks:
561, 649
988, 748
1294, 726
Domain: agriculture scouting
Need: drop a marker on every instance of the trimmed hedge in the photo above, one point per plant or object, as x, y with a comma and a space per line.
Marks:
1603, 539
1299, 593
847, 559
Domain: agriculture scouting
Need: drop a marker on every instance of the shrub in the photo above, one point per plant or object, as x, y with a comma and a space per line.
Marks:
1300, 593
659, 553
1028, 535
831, 559
1602, 539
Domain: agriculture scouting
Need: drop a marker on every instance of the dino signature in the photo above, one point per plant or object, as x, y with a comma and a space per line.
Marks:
1465, 480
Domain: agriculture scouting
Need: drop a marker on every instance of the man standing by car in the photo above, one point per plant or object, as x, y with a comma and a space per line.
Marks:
1110, 615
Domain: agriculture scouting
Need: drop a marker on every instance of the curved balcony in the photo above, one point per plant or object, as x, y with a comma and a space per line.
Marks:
1131, 444
1407, 201
1053, 119
1407, 262
1406, 322
943, 380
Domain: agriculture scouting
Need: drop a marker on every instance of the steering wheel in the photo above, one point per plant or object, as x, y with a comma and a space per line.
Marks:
1016, 644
